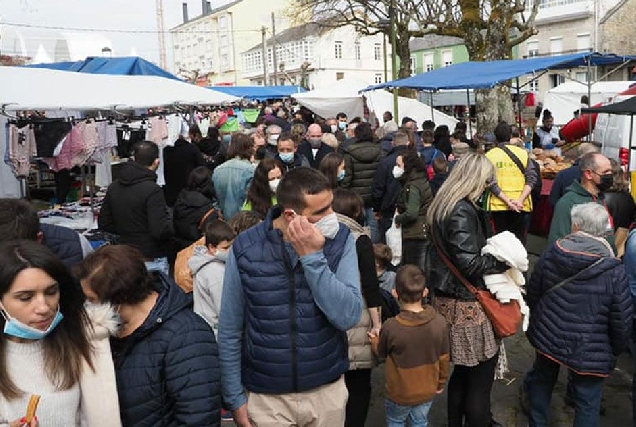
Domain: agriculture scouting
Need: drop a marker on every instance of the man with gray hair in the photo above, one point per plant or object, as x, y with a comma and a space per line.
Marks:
272, 133
580, 316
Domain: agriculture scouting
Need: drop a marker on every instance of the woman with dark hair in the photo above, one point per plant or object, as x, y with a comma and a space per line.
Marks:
262, 193
441, 140
333, 167
46, 346
212, 148
620, 205
412, 206
233, 178
166, 357
349, 208
195, 202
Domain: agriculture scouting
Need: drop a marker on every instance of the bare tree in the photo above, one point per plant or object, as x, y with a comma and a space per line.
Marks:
368, 17
490, 29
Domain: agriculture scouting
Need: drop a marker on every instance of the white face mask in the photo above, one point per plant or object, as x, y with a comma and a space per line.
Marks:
328, 226
397, 172
273, 184
273, 139
334, 128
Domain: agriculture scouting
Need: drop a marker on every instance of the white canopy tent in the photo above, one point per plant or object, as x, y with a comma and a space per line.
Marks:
565, 99
380, 101
344, 96
43, 89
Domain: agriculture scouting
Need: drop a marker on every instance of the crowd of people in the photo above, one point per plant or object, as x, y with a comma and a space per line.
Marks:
259, 284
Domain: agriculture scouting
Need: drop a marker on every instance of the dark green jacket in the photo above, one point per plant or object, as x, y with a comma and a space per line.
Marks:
413, 205
361, 161
561, 225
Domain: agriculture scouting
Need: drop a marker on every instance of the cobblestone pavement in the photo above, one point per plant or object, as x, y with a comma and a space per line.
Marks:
505, 396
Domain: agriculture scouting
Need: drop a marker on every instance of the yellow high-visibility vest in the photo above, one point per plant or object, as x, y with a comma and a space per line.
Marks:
509, 177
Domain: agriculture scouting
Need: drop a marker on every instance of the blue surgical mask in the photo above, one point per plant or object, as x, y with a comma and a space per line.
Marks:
15, 328
342, 125
222, 255
341, 175
286, 157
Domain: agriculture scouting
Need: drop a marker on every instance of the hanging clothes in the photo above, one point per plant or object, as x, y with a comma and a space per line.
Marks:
158, 133
48, 134
22, 147
107, 141
9, 185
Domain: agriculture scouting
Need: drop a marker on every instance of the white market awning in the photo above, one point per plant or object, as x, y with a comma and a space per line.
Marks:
24, 88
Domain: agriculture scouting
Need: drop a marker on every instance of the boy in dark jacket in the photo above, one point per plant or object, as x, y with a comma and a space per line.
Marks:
416, 346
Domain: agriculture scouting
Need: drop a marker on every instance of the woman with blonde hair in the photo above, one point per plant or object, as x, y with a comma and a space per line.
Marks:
459, 228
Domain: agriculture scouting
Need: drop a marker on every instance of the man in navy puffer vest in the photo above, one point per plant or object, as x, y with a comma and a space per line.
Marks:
290, 292
580, 316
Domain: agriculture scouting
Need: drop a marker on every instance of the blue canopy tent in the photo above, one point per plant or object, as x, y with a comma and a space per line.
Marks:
131, 66
260, 93
487, 74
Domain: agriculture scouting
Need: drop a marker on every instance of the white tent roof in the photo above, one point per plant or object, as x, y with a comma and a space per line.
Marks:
380, 101
342, 96
565, 99
43, 89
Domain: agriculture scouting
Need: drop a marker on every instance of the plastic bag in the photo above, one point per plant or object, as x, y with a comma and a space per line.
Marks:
394, 241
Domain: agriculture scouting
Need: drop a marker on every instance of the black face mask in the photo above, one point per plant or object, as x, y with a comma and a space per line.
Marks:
606, 182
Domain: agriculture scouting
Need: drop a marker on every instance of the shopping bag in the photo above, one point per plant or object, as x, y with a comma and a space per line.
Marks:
394, 241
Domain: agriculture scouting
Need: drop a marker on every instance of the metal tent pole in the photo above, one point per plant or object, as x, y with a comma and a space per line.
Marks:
589, 97
519, 103
432, 109
470, 119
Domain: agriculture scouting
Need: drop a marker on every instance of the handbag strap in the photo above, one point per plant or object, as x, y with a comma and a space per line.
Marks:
514, 158
449, 264
576, 276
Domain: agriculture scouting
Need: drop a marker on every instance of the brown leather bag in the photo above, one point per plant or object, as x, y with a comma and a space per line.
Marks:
505, 317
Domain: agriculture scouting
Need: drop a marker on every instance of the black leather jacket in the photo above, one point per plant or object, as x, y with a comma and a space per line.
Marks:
461, 236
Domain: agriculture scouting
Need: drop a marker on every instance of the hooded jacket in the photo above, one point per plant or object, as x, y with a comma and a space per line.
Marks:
208, 274
189, 210
361, 161
214, 152
413, 204
417, 351
168, 369
561, 220
135, 209
587, 322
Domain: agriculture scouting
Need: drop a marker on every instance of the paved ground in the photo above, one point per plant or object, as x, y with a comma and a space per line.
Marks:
505, 396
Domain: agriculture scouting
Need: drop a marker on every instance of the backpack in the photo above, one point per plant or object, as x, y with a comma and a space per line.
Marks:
390, 306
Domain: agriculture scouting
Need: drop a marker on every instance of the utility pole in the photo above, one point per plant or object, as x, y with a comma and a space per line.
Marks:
264, 55
163, 60
392, 18
274, 56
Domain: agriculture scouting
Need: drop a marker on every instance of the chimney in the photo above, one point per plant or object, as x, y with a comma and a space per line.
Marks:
209, 8
185, 12
204, 7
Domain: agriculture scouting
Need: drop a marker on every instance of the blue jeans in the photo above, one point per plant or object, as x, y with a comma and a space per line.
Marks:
373, 225
396, 415
588, 390
159, 264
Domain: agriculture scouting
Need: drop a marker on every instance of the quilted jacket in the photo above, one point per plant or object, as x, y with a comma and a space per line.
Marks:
168, 369
586, 323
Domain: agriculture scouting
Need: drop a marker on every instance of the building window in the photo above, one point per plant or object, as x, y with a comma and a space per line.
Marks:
533, 85
533, 48
556, 45
225, 60
447, 58
583, 42
223, 23
429, 62
377, 79
413, 64
581, 76
338, 50
377, 51
556, 79
358, 53
339, 76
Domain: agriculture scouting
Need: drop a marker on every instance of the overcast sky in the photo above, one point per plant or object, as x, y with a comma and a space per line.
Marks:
105, 15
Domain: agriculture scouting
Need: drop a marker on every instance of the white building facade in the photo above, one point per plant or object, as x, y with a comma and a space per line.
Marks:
209, 45
316, 56
570, 26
